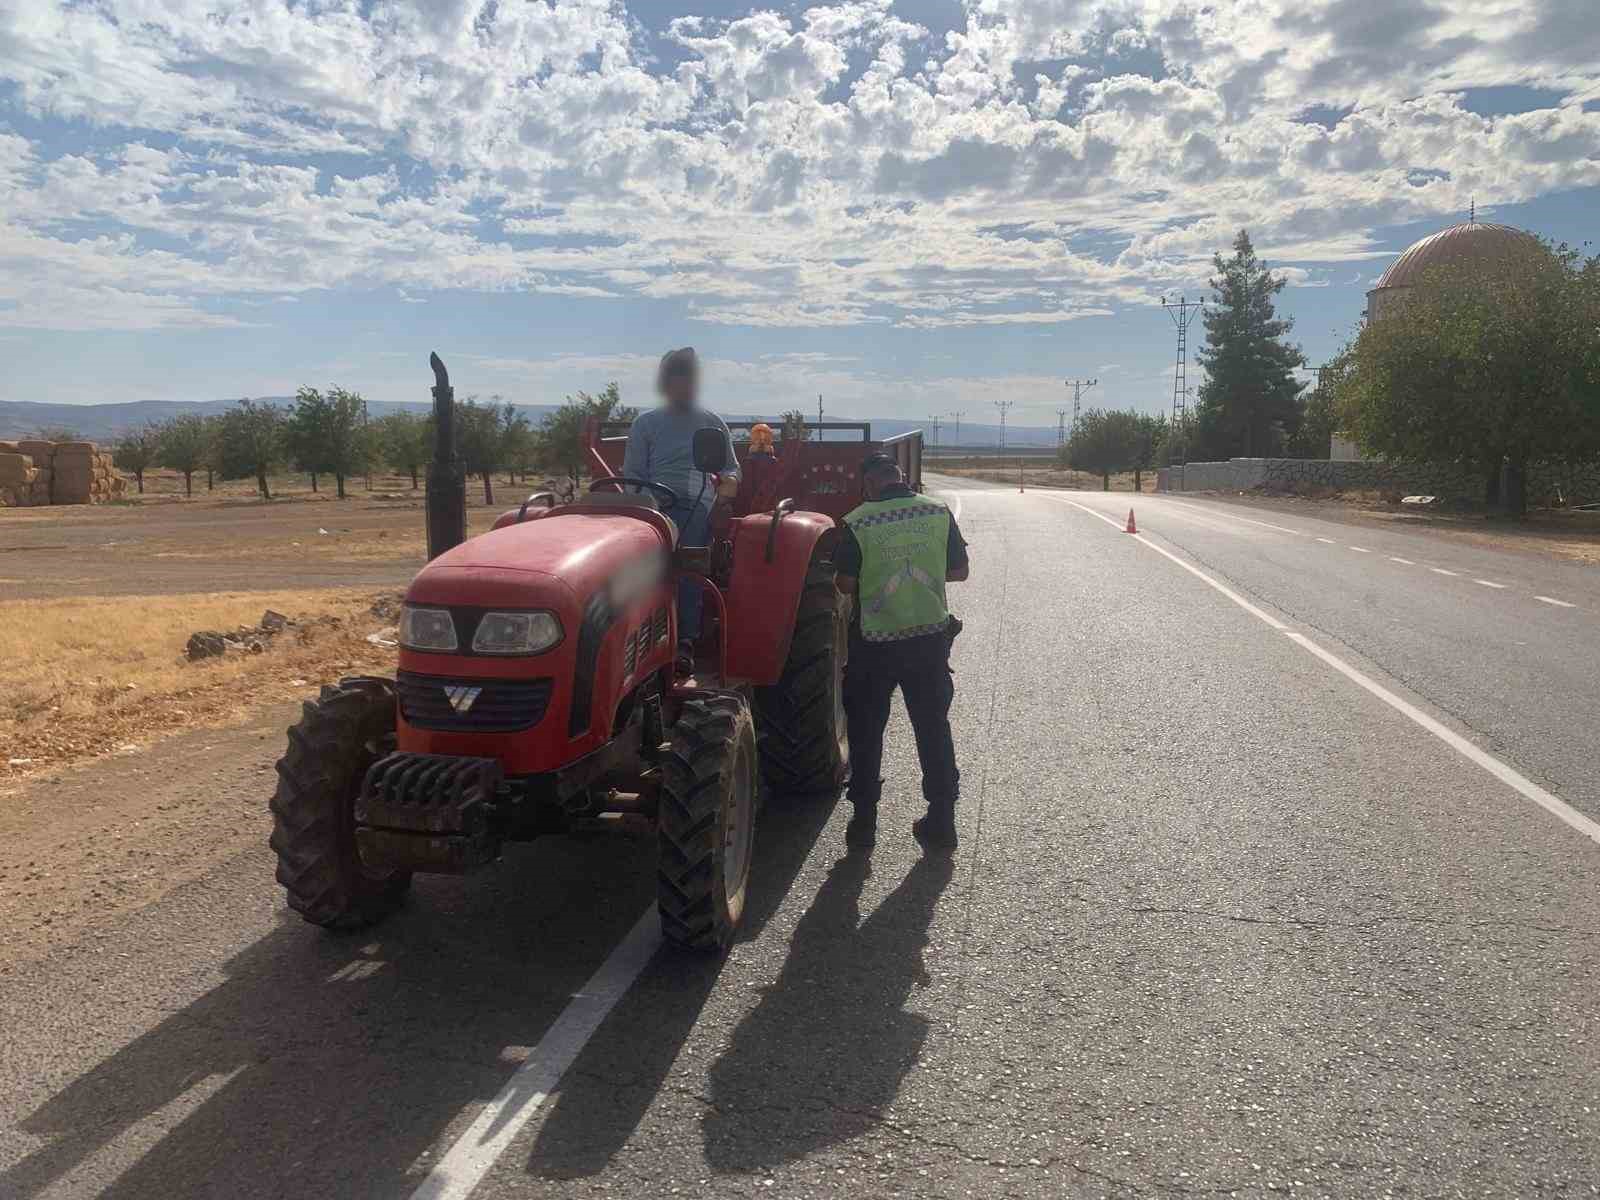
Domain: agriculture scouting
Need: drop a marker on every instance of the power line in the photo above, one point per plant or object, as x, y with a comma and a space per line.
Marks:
1183, 312
933, 420
1004, 406
957, 416
1061, 426
1079, 387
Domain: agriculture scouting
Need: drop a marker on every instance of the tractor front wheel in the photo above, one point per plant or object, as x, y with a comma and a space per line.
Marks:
340, 734
804, 744
706, 823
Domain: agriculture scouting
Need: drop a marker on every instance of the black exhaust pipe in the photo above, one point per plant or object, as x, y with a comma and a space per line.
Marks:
447, 482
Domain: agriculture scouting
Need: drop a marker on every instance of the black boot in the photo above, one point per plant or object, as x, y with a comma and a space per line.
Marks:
862, 832
937, 830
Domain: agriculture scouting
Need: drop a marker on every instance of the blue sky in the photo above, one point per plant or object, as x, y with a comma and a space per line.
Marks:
910, 207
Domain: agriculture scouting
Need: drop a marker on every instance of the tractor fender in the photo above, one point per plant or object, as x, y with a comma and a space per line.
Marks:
763, 596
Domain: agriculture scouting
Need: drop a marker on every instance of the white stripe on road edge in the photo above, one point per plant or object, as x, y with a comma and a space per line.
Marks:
1361, 550
1512, 778
465, 1164
1235, 517
1403, 561
1489, 583
1557, 603
1326, 541
1442, 571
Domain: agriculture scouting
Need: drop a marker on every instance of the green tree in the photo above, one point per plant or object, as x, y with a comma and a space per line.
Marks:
134, 451
1491, 365
518, 441
329, 433
478, 441
57, 433
1104, 442
182, 445
1247, 404
251, 442
1150, 434
405, 440
213, 453
561, 434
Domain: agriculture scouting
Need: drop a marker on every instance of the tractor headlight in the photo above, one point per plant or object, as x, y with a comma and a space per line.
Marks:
516, 633
427, 629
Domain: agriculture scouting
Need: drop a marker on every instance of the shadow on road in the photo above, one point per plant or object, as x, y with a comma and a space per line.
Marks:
827, 1048
608, 1090
326, 1065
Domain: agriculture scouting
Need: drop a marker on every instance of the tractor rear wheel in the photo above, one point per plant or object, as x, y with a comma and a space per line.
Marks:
800, 720
706, 823
340, 734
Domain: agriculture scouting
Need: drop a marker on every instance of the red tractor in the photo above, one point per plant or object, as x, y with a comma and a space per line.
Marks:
539, 691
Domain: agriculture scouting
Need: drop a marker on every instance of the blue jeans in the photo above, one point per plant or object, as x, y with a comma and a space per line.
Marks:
694, 529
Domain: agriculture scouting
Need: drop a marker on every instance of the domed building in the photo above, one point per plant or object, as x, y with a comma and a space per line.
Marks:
1477, 242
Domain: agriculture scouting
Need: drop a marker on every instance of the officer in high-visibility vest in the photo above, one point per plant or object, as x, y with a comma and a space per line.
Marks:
897, 552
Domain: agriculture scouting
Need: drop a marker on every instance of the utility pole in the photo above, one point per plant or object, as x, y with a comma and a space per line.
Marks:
933, 420
1061, 426
819, 416
957, 416
1079, 387
1004, 406
1183, 312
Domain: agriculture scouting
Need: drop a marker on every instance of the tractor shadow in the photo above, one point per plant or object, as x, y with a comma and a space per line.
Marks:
331, 1065
620, 1073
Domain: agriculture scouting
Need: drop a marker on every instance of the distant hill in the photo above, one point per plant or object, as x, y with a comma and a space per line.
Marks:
104, 422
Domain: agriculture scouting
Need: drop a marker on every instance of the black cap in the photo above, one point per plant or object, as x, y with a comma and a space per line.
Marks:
878, 461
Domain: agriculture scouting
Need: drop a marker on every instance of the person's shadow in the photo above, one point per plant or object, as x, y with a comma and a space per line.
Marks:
828, 1046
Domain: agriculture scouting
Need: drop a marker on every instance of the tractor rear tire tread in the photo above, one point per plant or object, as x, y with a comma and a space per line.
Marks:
803, 747
313, 809
694, 779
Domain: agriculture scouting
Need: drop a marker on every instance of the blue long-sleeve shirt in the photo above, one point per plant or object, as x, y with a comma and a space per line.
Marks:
661, 449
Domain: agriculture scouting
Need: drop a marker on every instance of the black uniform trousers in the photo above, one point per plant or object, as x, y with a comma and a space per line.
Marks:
920, 668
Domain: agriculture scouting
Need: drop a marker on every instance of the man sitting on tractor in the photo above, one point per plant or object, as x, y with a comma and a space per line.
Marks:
661, 449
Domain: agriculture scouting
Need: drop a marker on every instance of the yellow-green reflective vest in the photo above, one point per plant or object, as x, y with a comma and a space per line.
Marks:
904, 547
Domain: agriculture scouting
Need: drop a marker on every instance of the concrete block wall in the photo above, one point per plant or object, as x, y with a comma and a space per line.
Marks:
1546, 482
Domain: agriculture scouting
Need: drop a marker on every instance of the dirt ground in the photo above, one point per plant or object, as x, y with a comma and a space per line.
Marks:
1039, 474
1559, 533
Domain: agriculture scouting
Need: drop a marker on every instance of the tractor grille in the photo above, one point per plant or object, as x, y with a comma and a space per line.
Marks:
501, 705
642, 639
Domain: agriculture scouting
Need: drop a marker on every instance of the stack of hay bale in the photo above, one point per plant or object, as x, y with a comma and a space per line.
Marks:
17, 476
34, 473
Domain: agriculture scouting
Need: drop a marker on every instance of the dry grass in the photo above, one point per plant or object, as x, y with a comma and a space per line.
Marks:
1036, 474
90, 675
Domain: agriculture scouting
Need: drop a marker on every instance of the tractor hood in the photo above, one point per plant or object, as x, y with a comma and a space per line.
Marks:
557, 561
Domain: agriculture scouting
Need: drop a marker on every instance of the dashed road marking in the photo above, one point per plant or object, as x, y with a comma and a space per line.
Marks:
464, 1165
1553, 600
1442, 571
1326, 541
1507, 774
1402, 561
1361, 550
1489, 583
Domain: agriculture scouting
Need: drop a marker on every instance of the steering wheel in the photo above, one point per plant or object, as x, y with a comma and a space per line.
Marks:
668, 497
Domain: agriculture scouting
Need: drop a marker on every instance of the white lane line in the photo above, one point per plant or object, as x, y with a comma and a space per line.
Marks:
464, 1165
1326, 541
1235, 517
1402, 561
1442, 571
1361, 550
1553, 600
1489, 583
1507, 775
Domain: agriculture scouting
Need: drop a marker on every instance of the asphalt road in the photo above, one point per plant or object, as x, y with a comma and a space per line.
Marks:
1226, 919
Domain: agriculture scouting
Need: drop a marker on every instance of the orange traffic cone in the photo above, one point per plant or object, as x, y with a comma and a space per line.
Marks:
1132, 528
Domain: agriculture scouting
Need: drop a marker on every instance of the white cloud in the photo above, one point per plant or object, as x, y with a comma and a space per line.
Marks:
835, 168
